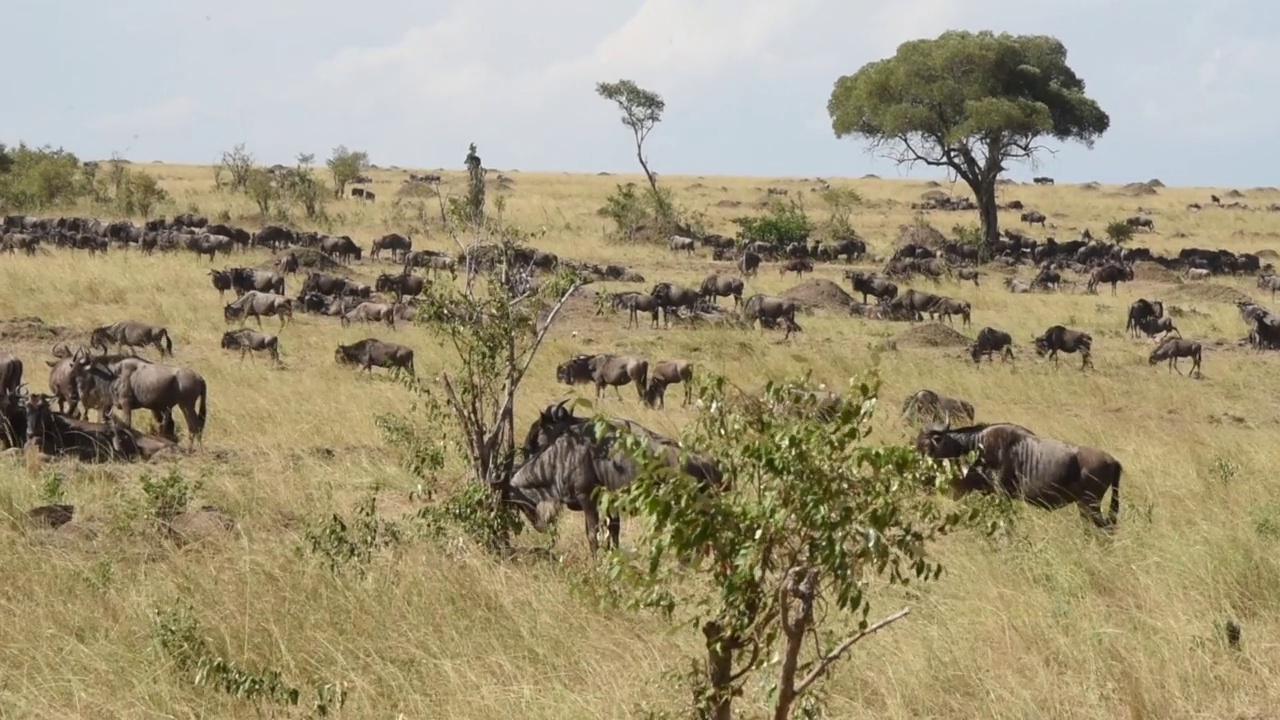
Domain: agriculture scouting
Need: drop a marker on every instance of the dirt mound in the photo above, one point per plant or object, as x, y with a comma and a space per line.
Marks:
933, 195
309, 259
819, 293
1090, 186
1234, 194
1209, 293
1139, 189
729, 203
1151, 272
1154, 183
31, 329
871, 176
931, 335
920, 233
1268, 254
933, 184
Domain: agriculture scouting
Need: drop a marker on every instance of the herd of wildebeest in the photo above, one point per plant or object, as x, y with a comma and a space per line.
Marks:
563, 461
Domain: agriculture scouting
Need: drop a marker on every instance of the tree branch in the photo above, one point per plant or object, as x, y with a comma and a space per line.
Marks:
825, 661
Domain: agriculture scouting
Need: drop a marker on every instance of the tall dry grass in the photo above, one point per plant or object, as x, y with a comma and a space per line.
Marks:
1053, 623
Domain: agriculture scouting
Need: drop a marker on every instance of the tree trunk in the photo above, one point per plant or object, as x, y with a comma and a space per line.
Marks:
719, 672
984, 190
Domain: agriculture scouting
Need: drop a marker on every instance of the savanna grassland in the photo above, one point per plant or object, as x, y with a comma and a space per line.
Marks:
1054, 621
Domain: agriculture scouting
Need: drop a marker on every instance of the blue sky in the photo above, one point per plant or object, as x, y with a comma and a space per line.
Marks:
1192, 87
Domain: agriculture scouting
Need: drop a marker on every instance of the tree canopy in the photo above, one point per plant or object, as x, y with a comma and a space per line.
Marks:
968, 102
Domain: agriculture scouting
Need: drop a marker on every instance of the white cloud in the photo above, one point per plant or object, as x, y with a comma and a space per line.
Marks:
164, 115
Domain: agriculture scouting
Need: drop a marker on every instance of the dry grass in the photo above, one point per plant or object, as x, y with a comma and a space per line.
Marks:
1055, 624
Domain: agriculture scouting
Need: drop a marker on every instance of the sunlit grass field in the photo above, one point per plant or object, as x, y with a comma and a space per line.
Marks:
1053, 623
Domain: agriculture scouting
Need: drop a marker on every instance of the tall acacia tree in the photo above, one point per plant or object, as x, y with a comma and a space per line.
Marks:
968, 102
641, 111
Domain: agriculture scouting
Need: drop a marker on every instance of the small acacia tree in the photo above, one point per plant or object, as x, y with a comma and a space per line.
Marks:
346, 165
300, 185
641, 112
968, 102
814, 513
237, 165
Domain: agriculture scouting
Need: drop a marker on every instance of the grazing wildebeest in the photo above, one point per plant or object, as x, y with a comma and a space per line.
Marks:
1140, 311
989, 341
968, 273
929, 406
131, 334
258, 305
1033, 217
398, 244
372, 312
749, 263
605, 370
247, 341
716, 286
799, 266
1047, 278
244, 280
10, 373
769, 309
677, 243
1198, 273
371, 351
1111, 274
341, 247
1059, 339
401, 285
1043, 472
945, 307
221, 281
1154, 326
671, 297
1174, 348
635, 303
565, 463
881, 288
668, 372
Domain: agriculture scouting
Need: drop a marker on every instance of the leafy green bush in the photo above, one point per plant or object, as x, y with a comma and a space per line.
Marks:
783, 223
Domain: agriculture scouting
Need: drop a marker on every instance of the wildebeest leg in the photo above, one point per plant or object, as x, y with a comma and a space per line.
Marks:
1173, 364
243, 350
617, 391
592, 515
1086, 359
189, 417
615, 531
258, 318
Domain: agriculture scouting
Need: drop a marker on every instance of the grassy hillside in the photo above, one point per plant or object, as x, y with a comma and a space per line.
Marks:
1054, 624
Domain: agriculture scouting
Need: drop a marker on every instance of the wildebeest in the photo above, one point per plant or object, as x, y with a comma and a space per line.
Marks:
1198, 273
565, 463
1154, 326
1111, 274
668, 372
1033, 217
1015, 285
57, 434
929, 406
221, 281
769, 309
1137, 221
991, 340
372, 351
13, 419
677, 243
671, 297
1059, 339
324, 283
247, 341
799, 266
635, 303
10, 373
401, 285
1043, 180
341, 248
131, 334
244, 280
749, 263
1269, 282
881, 288
372, 312
1140, 311
968, 273
398, 244
258, 305
160, 388
716, 286
605, 370
945, 307
1172, 349
1044, 472
915, 301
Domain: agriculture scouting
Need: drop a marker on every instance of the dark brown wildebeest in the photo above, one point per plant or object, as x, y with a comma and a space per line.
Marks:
340, 248
605, 370
57, 434
749, 264
221, 281
881, 288
565, 464
1034, 217
10, 373
671, 297
1042, 180
1140, 311
769, 309
989, 341
668, 372
1059, 339
1112, 274
357, 289
945, 307
248, 341
929, 406
288, 263
1047, 278
372, 351
716, 286
1137, 221
357, 193
1174, 348
211, 245
1154, 326
399, 245
1043, 472
13, 419
323, 283
968, 273
259, 305
244, 280
916, 302
635, 303
677, 243
799, 266
372, 312
131, 334
401, 285
369, 196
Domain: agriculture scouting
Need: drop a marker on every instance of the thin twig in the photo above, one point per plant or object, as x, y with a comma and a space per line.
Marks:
825, 661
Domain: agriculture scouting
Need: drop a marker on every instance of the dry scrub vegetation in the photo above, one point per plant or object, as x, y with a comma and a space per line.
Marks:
1050, 620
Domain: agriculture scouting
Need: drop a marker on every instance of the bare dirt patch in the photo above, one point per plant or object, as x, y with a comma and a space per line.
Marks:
32, 329
1209, 293
1151, 272
816, 293
931, 335
921, 233
309, 258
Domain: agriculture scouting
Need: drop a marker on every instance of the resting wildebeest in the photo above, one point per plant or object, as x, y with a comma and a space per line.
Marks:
799, 266
10, 373
1140, 311
635, 303
1042, 471
247, 341
769, 310
401, 285
929, 406
57, 434
1111, 274
1174, 348
371, 351
605, 370
1059, 339
991, 340
1014, 285
372, 312
258, 305
131, 334
881, 288
564, 465
716, 286
668, 372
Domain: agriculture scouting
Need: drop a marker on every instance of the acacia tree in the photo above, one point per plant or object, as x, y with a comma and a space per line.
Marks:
968, 102
814, 513
641, 111
346, 165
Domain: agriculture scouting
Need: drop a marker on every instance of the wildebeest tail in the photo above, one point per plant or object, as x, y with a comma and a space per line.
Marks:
1113, 513
202, 410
